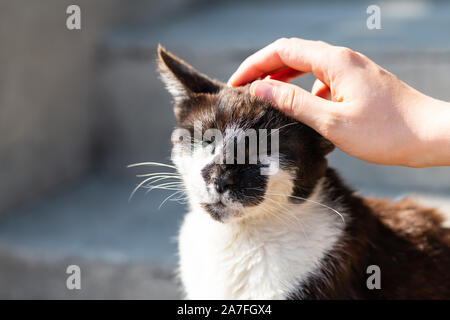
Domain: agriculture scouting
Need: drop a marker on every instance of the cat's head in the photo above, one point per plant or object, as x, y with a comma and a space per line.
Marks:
231, 167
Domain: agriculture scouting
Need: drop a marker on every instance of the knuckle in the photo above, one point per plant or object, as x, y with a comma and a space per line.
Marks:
322, 43
282, 47
281, 43
282, 40
345, 54
329, 125
297, 99
292, 100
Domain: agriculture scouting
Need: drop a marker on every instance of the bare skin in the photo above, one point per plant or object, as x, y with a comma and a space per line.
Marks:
363, 109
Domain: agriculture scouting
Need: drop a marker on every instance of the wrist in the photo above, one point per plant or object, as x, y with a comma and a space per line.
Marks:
432, 145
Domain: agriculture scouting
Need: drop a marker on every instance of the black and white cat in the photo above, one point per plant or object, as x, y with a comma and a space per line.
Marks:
299, 233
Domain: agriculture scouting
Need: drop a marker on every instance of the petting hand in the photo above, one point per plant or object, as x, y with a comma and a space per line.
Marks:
372, 115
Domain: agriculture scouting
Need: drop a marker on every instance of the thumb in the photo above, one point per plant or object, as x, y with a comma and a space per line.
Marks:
295, 102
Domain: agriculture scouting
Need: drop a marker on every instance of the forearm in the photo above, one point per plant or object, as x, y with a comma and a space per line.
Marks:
434, 134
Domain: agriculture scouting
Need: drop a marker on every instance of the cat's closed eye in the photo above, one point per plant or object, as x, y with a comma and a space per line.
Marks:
211, 143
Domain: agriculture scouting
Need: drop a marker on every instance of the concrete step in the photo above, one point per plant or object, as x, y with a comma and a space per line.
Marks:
124, 249
43, 276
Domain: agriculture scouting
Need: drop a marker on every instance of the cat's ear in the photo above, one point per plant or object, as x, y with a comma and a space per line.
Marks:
181, 79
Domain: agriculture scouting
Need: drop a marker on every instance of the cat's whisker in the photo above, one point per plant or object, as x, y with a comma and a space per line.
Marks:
174, 174
161, 188
138, 187
173, 185
313, 201
160, 178
156, 176
278, 129
163, 184
278, 217
180, 198
267, 210
304, 199
164, 201
282, 206
156, 179
282, 218
156, 164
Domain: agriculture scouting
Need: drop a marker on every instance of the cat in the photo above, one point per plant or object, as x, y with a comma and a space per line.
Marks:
298, 233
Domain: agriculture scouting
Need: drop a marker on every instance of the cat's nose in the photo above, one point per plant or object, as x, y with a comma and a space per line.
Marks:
223, 184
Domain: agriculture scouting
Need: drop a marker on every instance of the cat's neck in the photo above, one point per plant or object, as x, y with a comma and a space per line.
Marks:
346, 261
282, 247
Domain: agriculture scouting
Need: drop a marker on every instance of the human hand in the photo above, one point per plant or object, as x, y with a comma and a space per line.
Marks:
372, 114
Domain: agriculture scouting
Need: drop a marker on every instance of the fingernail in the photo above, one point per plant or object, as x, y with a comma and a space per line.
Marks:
262, 89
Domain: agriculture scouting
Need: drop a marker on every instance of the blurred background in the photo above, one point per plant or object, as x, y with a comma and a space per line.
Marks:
77, 106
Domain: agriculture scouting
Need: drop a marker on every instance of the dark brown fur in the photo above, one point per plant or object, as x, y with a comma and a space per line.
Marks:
404, 239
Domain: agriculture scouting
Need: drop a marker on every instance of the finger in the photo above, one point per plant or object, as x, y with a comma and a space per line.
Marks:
286, 75
295, 102
321, 90
302, 55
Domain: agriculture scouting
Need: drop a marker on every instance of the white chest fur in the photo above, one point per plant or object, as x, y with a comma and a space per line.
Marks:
264, 257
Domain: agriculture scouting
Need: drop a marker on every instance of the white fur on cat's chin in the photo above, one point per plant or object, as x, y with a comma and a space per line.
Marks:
263, 256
